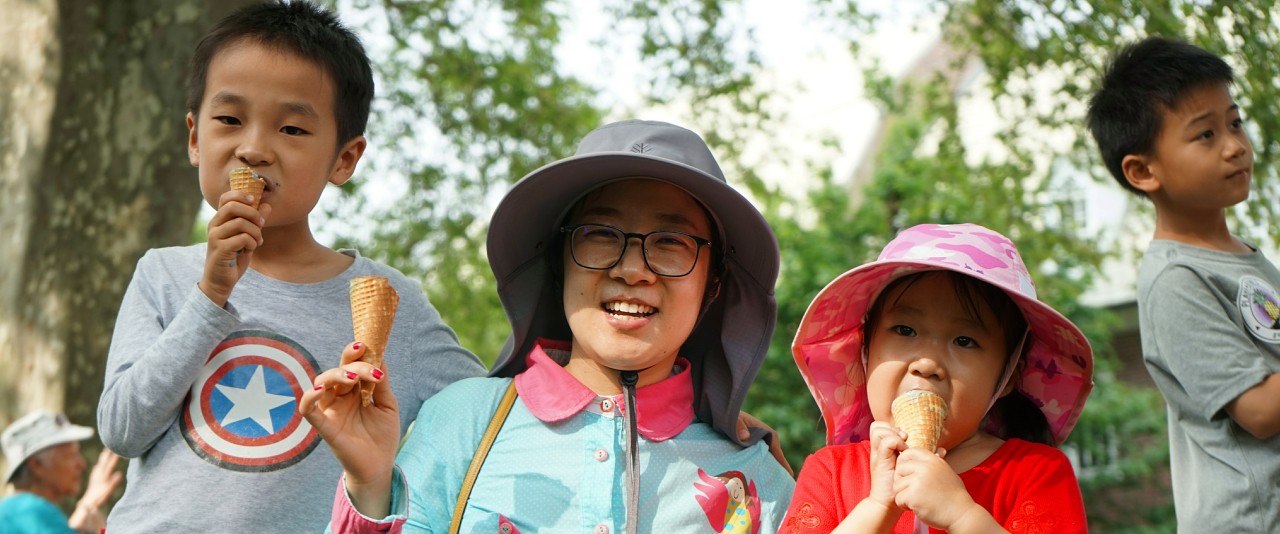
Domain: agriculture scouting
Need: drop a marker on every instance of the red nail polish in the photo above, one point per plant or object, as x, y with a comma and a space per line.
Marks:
356, 345
377, 373
318, 388
351, 375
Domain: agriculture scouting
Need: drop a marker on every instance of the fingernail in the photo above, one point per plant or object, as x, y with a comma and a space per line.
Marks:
356, 345
377, 374
318, 388
351, 375
251, 198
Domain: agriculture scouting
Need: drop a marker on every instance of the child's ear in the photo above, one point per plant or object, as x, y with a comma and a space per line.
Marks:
345, 165
193, 151
1138, 172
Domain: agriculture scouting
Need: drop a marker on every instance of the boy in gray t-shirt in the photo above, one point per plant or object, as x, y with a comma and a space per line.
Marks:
215, 343
1208, 309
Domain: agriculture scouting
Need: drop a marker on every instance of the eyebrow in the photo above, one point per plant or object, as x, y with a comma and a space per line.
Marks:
1209, 114
232, 99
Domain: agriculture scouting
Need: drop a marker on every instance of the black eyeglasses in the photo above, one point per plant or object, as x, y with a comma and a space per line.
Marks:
666, 253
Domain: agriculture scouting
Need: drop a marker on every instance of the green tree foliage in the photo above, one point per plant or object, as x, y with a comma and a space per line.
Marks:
471, 99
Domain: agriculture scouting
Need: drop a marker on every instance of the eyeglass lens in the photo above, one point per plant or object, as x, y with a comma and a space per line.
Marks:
666, 253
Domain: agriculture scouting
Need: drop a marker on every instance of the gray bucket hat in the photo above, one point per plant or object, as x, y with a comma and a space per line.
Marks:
729, 343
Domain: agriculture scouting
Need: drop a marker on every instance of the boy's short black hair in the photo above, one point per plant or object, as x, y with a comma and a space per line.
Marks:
1142, 81
308, 31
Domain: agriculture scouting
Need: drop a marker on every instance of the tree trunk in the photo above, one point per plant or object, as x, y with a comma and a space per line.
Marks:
94, 172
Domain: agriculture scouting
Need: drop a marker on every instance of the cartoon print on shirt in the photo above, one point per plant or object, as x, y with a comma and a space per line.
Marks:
1260, 306
505, 526
730, 502
241, 413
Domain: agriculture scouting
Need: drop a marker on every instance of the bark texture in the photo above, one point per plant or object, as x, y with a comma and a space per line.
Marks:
94, 172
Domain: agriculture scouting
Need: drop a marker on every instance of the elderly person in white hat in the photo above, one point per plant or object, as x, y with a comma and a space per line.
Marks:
43, 462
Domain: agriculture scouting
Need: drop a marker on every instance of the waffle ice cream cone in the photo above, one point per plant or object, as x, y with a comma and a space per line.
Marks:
244, 179
373, 310
920, 414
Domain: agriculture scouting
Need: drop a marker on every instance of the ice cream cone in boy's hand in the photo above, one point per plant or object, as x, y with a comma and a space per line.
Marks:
920, 414
373, 309
244, 179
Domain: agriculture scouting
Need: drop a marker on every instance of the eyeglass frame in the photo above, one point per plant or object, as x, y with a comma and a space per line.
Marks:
644, 252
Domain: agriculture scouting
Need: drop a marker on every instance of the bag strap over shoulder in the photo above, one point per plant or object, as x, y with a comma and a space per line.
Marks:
482, 450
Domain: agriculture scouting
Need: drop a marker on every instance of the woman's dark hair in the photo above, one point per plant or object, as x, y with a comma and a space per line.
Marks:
1013, 415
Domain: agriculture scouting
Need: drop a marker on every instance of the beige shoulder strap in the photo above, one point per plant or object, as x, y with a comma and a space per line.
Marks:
482, 450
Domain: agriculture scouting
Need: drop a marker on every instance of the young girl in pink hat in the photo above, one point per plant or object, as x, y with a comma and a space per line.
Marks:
949, 309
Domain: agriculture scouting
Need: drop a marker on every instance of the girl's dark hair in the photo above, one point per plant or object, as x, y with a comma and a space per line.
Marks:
1013, 415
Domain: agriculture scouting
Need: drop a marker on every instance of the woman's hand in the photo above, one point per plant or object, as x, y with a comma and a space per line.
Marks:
363, 438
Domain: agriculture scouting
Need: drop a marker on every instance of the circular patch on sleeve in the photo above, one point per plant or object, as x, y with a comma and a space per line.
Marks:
1260, 307
242, 412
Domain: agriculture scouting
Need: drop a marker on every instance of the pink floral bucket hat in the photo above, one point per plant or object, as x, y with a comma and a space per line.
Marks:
1058, 374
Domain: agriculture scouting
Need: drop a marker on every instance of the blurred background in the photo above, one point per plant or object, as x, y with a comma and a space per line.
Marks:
844, 121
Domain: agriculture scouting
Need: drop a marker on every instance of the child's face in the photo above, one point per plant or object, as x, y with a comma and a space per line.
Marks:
274, 112
926, 339
627, 317
1202, 160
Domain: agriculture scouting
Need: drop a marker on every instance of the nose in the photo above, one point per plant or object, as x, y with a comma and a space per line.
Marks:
927, 366
1238, 146
253, 149
631, 267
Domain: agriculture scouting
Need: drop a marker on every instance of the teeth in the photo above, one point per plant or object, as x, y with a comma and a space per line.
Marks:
629, 308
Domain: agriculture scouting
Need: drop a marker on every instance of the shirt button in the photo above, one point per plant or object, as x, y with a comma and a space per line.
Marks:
601, 455
606, 405
602, 529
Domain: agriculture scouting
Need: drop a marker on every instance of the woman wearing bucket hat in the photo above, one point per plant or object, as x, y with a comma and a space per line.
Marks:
951, 310
42, 455
639, 287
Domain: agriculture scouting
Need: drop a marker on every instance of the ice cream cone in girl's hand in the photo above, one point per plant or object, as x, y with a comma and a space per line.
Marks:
244, 179
920, 414
373, 310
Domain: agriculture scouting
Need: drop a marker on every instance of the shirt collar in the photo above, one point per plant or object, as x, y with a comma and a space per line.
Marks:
664, 409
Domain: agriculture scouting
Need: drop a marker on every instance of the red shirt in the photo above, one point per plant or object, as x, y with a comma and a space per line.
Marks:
1027, 487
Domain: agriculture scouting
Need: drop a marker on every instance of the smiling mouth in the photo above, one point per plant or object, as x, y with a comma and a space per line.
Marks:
629, 309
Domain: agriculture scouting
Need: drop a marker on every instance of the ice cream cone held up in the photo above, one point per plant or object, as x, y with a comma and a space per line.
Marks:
920, 414
373, 310
244, 179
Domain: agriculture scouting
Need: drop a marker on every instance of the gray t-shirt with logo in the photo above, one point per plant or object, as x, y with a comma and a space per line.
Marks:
1210, 328
203, 399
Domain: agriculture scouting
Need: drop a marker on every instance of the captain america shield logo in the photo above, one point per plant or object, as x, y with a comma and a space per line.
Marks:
242, 413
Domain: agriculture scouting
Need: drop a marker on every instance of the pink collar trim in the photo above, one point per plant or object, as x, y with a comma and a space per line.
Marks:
664, 409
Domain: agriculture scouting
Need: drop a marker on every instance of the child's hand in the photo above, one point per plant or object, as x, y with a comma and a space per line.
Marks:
363, 438
886, 442
925, 484
235, 231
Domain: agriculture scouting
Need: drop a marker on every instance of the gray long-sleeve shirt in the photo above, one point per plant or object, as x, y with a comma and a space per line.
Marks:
204, 399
